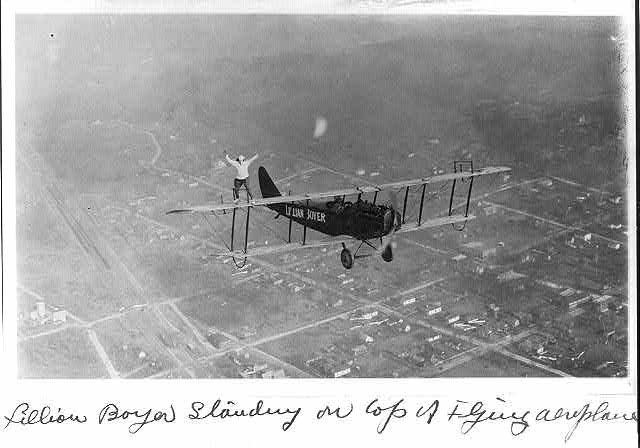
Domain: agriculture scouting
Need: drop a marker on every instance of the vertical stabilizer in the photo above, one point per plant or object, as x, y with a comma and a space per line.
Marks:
267, 187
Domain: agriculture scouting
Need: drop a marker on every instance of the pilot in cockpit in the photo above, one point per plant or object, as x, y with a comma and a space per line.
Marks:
338, 202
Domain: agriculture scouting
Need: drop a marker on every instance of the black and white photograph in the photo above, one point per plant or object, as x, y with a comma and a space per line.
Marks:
277, 223
320, 196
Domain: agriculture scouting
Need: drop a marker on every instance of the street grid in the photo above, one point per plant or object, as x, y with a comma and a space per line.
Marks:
479, 347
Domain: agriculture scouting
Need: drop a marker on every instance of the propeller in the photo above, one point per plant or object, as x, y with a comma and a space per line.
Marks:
388, 242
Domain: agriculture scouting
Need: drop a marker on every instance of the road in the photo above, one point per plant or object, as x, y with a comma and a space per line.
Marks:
110, 258
113, 373
483, 347
552, 222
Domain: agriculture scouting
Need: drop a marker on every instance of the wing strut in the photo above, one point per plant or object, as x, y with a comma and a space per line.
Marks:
460, 166
404, 207
233, 227
304, 232
424, 187
290, 220
242, 264
246, 230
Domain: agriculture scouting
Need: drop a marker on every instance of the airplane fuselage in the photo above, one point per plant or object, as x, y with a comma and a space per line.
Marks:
361, 220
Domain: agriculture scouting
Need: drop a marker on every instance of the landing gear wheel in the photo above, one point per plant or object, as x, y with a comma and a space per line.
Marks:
346, 258
387, 254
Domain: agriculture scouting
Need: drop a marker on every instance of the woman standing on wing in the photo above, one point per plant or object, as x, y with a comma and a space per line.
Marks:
242, 176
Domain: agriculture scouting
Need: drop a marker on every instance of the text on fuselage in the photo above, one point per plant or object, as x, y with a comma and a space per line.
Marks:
310, 215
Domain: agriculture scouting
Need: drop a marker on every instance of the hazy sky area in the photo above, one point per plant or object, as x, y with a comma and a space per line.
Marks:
384, 83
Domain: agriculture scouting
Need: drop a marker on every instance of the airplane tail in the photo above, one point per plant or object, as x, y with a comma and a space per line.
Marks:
267, 187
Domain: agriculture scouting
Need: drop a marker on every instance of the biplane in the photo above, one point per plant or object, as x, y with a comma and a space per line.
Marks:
359, 221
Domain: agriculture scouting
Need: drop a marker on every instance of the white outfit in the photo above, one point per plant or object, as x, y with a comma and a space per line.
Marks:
241, 167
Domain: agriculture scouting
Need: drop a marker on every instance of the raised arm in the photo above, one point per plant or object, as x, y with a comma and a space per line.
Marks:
252, 158
231, 161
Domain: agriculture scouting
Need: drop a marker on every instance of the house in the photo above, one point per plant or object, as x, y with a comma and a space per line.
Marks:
59, 316
273, 374
451, 318
359, 349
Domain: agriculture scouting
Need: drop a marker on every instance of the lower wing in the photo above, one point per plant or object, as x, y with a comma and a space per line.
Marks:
436, 222
288, 247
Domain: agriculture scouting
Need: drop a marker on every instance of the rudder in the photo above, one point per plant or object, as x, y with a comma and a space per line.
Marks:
267, 187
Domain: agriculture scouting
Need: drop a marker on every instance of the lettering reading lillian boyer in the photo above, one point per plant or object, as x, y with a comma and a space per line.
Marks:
140, 418
23, 414
311, 215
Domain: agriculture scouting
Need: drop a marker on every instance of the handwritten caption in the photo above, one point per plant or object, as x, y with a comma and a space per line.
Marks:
466, 415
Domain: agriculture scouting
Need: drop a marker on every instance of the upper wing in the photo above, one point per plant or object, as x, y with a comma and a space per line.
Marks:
344, 192
442, 178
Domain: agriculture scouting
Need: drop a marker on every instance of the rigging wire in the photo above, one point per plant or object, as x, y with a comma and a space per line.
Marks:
429, 196
259, 222
273, 232
213, 227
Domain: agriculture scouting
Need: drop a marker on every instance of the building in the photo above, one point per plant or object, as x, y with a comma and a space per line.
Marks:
495, 308
247, 332
509, 275
490, 210
568, 292
247, 372
409, 301
341, 372
260, 367
359, 315
217, 340
434, 338
512, 321
473, 245
273, 374
59, 316
359, 349
527, 258
616, 200
369, 315
524, 317
451, 318
41, 309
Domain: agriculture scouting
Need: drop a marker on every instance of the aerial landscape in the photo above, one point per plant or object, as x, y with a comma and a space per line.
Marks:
120, 119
